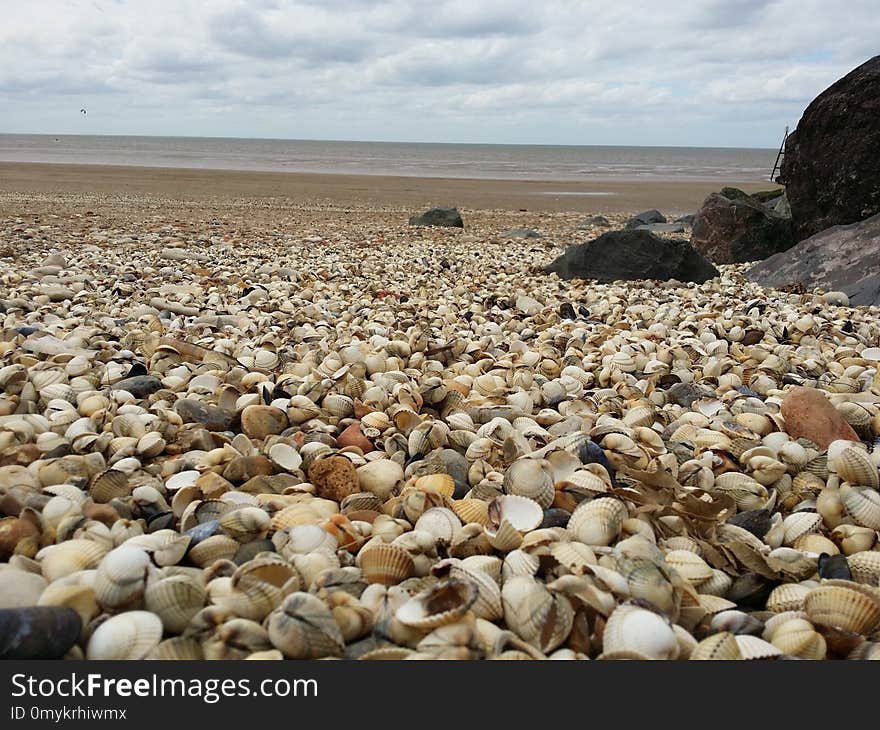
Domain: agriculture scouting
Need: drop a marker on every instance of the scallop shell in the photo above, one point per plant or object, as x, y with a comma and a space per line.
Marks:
386, 564
636, 631
175, 600
718, 647
130, 635
302, 627
844, 605
598, 522
532, 478
855, 466
862, 505
440, 604
539, 617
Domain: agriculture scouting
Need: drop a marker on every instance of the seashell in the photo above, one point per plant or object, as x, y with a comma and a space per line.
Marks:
522, 513
753, 647
440, 604
635, 632
81, 598
539, 617
797, 638
472, 510
175, 600
598, 522
442, 483
285, 457
129, 635
488, 602
718, 585
691, 567
442, 523
386, 564
109, 485
121, 577
532, 478
862, 505
865, 567
844, 605
258, 586
217, 547
302, 627
178, 648
245, 524
854, 538
718, 647
72, 556
798, 524
855, 466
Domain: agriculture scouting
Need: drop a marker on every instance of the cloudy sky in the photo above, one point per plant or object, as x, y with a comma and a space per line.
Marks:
668, 72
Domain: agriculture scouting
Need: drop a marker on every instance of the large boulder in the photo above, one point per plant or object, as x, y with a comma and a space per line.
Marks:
730, 231
632, 254
843, 258
831, 167
447, 217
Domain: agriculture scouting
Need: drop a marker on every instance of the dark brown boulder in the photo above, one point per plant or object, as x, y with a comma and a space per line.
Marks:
831, 167
843, 258
632, 254
731, 231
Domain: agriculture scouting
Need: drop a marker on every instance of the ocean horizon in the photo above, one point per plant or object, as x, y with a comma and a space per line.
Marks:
566, 163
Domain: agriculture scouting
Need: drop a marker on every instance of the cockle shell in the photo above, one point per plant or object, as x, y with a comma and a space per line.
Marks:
386, 564
635, 632
598, 522
175, 600
129, 635
536, 615
722, 646
440, 604
121, 577
302, 627
862, 504
844, 605
855, 466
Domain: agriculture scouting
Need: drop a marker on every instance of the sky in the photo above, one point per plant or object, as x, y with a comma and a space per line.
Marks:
717, 73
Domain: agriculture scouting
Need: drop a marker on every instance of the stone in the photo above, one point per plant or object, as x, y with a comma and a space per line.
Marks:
645, 217
528, 305
628, 255
353, 436
831, 169
456, 466
688, 219
213, 418
261, 421
243, 468
663, 227
334, 478
809, 414
19, 588
38, 632
841, 259
269, 483
684, 394
446, 217
521, 233
380, 477
735, 231
595, 220
140, 386
55, 259
734, 193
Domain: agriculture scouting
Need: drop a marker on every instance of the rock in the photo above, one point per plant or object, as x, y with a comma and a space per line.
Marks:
781, 206
38, 632
596, 220
447, 217
19, 588
261, 421
139, 386
734, 193
842, 259
55, 259
645, 217
58, 293
211, 417
180, 254
457, 467
734, 231
831, 168
380, 477
688, 219
334, 478
353, 436
767, 196
835, 299
269, 483
756, 521
663, 227
521, 233
628, 255
684, 394
809, 414
243, 468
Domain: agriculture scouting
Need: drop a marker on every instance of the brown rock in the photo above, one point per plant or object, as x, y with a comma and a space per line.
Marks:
353, 436
269, 484
13, 532
242, 468
104, 513
334, 478
261, 421
809, 414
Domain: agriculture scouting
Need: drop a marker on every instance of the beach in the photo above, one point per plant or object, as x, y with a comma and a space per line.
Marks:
261, 416
375, 191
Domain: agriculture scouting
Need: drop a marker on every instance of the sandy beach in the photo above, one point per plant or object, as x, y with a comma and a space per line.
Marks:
410, 193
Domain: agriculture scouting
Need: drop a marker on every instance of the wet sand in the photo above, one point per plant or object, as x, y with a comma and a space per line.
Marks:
411, 193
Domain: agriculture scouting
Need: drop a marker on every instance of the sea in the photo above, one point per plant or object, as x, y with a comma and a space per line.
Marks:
470, 161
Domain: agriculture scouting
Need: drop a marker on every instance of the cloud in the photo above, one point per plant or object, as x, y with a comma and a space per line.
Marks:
713, 72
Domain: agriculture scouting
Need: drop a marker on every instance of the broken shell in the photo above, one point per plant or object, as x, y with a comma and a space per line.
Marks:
441, 604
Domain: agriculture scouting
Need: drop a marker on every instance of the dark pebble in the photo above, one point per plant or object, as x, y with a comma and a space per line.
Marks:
38, 632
